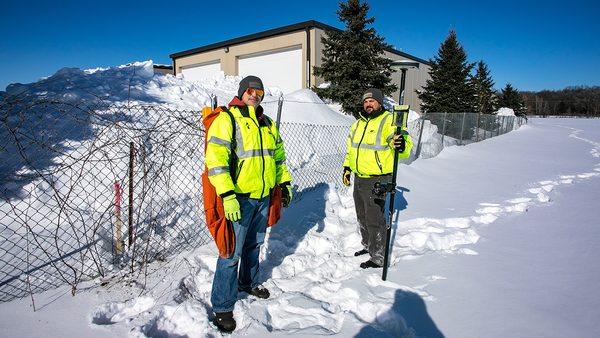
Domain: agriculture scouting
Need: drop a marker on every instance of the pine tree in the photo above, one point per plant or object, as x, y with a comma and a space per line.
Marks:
511, 98
353, 59
449, 89
483, 85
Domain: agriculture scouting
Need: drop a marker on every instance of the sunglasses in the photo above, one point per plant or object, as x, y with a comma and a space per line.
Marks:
259, 92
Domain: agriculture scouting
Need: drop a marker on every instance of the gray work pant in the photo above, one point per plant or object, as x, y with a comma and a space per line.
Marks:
370, 214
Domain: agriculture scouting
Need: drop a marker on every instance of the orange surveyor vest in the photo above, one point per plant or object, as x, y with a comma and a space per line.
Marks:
219, 227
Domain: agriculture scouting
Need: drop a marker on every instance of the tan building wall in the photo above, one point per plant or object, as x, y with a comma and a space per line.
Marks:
228, 59
163, 71
317, 54
228, 56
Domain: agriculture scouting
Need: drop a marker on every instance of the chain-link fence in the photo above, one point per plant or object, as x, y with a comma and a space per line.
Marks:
434, 131
88, 190
91, 189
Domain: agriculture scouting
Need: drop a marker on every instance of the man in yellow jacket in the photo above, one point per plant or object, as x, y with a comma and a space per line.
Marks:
244, 179
370, 156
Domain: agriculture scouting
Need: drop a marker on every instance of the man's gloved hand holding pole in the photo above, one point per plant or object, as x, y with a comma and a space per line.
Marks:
399, 142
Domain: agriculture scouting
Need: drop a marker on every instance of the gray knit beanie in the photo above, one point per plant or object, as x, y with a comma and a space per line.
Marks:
375, 94
250, 81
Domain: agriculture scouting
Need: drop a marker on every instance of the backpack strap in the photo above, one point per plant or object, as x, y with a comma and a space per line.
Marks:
234, 159
268, 121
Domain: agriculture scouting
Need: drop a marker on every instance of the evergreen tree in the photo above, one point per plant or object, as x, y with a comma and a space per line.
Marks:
511, 98
353, 59
483, 85
449, 89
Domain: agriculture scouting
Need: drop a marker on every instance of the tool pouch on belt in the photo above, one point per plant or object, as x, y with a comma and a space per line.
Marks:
219, 227
275, 205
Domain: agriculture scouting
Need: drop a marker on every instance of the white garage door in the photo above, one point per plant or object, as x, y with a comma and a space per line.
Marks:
282, 68
201, 71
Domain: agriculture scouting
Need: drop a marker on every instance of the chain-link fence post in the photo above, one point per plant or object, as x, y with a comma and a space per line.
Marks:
477, 128
444, 128
130, 213
462, 128
118, 222
418, 152
279, 106
213, 101
498, 128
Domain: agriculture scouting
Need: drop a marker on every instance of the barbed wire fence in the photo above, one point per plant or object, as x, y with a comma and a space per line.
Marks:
93, 189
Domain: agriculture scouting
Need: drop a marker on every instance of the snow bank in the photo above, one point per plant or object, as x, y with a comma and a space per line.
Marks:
133, 84
114, 312
184, 320
505, 112
304, 106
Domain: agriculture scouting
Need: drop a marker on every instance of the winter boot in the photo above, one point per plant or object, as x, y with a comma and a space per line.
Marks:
370, 264
224, 321
361, 252
259, 291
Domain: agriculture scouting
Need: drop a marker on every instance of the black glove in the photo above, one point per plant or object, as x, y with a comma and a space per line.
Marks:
346, 177
286, 194
399, 143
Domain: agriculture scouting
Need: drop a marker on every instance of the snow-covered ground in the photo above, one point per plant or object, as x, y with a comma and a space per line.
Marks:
495, 238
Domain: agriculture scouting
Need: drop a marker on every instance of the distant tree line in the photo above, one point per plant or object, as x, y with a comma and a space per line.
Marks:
572, 101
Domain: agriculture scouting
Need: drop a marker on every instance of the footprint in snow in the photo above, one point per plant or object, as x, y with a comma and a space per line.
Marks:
519, 200
484, 219
489, 210
588, 175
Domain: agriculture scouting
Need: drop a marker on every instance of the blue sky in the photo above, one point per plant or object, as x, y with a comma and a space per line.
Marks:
532, 44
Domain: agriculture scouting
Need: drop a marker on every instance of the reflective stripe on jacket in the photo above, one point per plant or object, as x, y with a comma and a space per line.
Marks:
259, 149
369, 152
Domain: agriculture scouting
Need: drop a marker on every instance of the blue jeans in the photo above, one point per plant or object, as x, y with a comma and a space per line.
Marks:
250, 233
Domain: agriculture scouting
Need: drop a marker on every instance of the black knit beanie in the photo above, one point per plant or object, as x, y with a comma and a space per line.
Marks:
249, 81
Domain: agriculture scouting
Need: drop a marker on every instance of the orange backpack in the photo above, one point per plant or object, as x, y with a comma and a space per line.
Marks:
219, 227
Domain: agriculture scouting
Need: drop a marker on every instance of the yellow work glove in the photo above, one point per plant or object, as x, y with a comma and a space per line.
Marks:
398, 142
232, 208
286, 194
346, 177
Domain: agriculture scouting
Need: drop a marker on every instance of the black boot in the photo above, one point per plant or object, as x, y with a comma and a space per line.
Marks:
361, 252
370, 264
224, 321
259, 291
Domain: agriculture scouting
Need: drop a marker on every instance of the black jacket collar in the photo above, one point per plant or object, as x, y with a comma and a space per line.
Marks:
363, 115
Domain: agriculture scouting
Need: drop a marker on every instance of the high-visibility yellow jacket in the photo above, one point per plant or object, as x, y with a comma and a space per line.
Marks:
259, 150
369, 149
